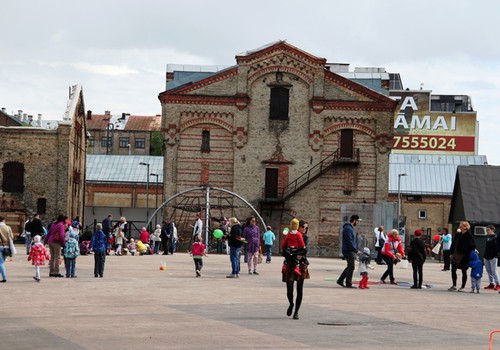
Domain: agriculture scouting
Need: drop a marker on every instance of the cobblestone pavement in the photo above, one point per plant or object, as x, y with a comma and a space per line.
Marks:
137, 306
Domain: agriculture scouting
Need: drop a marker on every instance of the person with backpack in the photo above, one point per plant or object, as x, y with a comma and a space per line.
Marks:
55, 240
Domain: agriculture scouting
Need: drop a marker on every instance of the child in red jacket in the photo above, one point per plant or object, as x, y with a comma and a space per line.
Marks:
38, 255
197, 251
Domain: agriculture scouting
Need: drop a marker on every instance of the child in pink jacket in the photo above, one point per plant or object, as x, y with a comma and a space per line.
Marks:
38, 255
197, 251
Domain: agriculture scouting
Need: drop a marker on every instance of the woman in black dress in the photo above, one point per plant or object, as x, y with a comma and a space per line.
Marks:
461, 246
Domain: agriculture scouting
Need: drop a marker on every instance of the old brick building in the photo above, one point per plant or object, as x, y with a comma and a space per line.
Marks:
43, 170
283, 131
123, 134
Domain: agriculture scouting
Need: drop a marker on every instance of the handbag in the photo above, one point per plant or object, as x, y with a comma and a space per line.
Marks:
436, 248
457, 257
6, 251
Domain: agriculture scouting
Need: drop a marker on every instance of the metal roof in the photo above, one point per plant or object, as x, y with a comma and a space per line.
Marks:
427, 174
123, 168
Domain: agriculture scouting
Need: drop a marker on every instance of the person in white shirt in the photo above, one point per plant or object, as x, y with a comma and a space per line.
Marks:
380, 238
446, 244
198, 227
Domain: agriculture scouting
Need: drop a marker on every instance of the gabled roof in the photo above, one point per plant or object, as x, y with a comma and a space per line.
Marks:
476, 195
143, 123
427, 174
13, 120
274, 57
127, 122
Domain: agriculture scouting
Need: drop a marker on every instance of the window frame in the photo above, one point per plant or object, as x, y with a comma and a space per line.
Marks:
123, 142
279, 103
140, 142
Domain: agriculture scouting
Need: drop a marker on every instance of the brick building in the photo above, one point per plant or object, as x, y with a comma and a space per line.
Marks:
43, 170
283, 131
123, 134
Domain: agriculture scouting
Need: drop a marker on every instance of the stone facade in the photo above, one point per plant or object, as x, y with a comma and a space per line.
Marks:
51, 164
251, 153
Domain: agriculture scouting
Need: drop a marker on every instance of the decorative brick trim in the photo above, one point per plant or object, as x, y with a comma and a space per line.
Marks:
280, 48
209, 118
285, 69
217, 77
351, 125
199, 100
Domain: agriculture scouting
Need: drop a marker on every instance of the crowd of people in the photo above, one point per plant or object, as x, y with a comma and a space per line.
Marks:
60, 241
459, 252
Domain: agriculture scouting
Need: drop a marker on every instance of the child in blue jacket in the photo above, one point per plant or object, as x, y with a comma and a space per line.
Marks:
476, 272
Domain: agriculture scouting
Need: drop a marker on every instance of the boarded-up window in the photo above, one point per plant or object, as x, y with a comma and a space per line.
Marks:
278, 108
205, 141
13, 177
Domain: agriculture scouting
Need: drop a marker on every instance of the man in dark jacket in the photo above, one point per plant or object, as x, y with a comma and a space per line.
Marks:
165, 235
349, 251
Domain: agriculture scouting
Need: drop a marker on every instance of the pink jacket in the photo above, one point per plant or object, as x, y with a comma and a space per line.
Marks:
56, 234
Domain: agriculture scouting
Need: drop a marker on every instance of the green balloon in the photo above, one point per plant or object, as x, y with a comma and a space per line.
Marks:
218, 234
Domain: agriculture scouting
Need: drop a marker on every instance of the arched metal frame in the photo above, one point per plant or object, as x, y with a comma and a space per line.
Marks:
207, 190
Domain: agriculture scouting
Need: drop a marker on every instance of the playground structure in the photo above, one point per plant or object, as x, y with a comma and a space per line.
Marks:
211, 203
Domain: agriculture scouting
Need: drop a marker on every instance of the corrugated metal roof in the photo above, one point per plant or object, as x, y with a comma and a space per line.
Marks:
123, 168
427, 174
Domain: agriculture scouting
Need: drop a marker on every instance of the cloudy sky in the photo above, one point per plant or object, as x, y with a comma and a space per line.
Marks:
118, 50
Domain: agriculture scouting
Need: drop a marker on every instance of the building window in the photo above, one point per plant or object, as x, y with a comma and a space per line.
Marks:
278, 107
205, 141
13, 177
106, 141
422, 214
124, 142
41, 205
91, 141
140, 143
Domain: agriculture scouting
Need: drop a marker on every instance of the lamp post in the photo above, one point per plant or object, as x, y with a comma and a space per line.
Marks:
399, 200
156, 192
147, 192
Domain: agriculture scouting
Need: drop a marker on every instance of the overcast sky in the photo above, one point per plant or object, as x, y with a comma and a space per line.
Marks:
118, 50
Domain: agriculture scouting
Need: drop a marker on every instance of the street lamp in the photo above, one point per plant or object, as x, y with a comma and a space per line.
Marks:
147, 191
399, 199
156, 192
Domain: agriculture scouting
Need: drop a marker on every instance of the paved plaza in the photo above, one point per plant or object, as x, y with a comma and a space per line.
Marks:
137, 306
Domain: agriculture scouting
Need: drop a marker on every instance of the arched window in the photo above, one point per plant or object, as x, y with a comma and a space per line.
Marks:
13, 177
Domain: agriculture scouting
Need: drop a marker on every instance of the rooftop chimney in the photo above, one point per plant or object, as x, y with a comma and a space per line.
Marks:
107, 113
39, 122
89, 115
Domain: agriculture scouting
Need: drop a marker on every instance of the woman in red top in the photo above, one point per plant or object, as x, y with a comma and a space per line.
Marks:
392, 252
294, 261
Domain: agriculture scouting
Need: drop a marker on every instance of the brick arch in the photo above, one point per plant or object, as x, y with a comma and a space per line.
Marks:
355, 126
284, 69
207, 120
